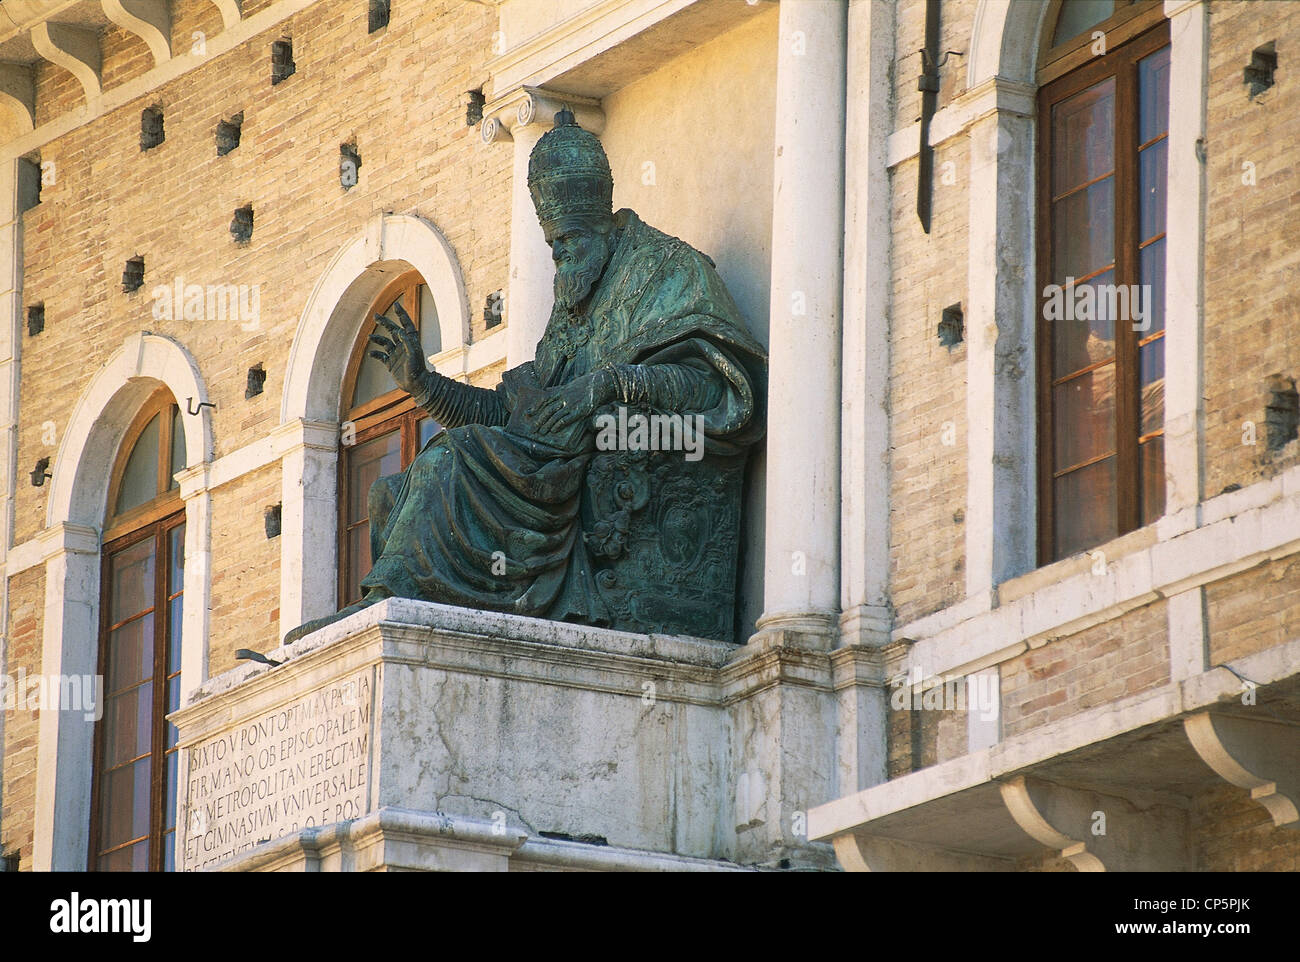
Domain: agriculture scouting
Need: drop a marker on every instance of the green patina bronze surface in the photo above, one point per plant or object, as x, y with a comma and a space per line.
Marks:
514, 506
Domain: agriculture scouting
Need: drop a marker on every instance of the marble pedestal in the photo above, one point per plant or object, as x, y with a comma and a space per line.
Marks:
422, 736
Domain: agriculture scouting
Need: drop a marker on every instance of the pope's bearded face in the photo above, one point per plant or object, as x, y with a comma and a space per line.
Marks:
580, 252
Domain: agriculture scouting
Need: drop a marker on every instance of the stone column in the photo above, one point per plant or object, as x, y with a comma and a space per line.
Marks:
1184, 250
865, 621
801, 591
1001, 525
522, 116
308, 551
61, 831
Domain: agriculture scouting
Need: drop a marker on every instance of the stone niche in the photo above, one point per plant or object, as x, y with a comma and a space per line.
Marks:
422, 736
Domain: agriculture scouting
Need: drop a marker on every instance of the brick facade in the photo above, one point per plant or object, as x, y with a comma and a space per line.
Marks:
399, 95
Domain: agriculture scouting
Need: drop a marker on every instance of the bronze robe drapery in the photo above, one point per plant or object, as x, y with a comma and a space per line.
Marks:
487, 516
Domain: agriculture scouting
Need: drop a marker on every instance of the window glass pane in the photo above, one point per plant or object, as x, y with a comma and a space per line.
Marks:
1153, 479
173, 703
427, 428
1080, 342
1083, 232
178, 461
1083, 137
1153, 95
133, 581
175, 614
176, 557
169, 852
175, 607
130, 654
1151, 263
373, 379
1152, 363
133, 858
1084, 417
367, 463
1152, 164
169, 813
1085, 508
430, 333
1076, 16
359, 561
140, 479
128, 725
125, 805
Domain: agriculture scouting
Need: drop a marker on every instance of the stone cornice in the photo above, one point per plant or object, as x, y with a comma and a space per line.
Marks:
59, 539
602, 25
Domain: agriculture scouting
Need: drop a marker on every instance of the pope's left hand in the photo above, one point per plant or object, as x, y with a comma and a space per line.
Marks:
576, 401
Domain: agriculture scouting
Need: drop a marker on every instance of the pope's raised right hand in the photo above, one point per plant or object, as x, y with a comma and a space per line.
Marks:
401, 351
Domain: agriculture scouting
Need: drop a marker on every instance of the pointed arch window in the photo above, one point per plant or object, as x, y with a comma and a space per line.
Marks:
1103, 122
383, 429
133, 805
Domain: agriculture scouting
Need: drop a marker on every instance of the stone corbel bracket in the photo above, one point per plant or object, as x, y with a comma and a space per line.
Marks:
1257, 754
18, 97
150, 20
76, 50
535, 105
1096, 832
230, 12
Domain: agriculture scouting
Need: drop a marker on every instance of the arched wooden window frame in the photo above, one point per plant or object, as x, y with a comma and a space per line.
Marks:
374, 418
158, 519
1132, 19
1135, 31
168, 499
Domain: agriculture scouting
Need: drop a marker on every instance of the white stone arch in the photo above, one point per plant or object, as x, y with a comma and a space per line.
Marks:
1004, 41
79, 488
322, 344
70, 549
328, 327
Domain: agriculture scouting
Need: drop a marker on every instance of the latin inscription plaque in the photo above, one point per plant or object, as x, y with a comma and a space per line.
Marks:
301, 765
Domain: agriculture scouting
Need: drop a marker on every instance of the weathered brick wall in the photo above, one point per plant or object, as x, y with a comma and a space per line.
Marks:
1254, 610
189, 16
927, 380
1235, 834
928, 391
1102, 664
956, 22
403, 101
245, 610
399, 94
930, 727
1252, 261
126, 57
23, 643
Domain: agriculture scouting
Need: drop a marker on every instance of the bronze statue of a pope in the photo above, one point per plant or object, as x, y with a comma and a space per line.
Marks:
513, 506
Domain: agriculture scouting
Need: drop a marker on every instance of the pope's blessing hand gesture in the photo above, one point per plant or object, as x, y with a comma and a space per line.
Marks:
401, 350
